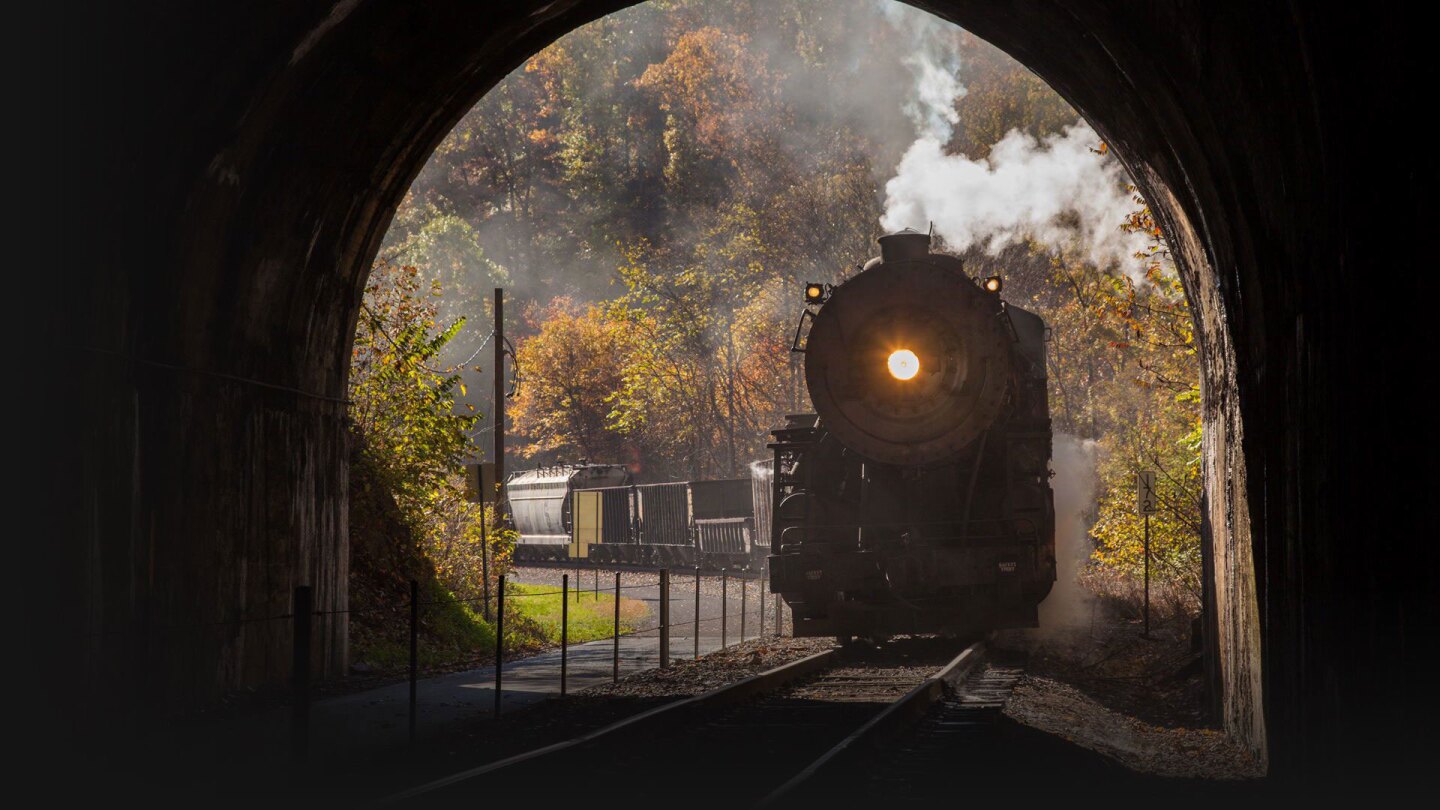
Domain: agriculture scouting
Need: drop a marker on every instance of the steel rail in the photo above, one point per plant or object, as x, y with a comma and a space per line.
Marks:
648, 721
893, 719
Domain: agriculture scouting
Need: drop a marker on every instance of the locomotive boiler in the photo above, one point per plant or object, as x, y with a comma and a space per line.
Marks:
916, 499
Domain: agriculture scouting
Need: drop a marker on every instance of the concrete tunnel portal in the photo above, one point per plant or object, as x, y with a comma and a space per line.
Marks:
222, 307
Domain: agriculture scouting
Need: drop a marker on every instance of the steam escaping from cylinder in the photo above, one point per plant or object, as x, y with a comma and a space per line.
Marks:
1068, 610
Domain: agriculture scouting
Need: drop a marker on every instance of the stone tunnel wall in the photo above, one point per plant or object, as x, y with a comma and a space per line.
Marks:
200, 602
257, 156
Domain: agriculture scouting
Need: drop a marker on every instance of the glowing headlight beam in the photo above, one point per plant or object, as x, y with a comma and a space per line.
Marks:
903, 364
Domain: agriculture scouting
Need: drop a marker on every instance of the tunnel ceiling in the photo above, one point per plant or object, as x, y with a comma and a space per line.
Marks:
244, 164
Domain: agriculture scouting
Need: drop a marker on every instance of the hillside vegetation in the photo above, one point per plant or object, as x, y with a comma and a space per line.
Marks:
654, 189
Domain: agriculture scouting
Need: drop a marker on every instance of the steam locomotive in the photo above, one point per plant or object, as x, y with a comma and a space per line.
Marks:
916, 499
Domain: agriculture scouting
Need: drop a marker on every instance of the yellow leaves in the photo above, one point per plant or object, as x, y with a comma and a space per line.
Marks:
719, 86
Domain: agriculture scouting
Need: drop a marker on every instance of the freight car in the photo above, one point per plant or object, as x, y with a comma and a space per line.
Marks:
593, 514
539, 503
684, 524
916, 499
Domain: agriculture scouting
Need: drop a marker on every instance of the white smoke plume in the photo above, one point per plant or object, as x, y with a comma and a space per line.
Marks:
1068, 610
1057, 191
933, 59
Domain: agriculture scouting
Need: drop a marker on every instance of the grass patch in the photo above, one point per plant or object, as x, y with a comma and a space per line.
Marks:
1125, 593
538, 608
449, 631
454, 633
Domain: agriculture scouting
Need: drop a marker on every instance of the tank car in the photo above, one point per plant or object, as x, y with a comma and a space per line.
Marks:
916, 499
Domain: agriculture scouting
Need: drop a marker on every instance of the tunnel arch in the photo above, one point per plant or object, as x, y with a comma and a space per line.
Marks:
213, 469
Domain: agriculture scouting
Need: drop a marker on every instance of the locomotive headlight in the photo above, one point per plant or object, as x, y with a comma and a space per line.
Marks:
903, 364
814, 293
994, 284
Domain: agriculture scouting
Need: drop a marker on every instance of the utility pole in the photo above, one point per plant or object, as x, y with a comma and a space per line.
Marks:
730, 383
794, 360
484, 498
499, 408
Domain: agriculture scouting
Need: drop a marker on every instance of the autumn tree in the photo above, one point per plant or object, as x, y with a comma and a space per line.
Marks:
573, 370
683, 390
401, 403
723, 112
413, 434
1156, 427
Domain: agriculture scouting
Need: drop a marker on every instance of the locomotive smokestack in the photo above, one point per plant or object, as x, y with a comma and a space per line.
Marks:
906, 244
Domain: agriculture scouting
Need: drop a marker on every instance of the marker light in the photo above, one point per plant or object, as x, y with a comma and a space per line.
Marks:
993, 284
814, 293
903, 364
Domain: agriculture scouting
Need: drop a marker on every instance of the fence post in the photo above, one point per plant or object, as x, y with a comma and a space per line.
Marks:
565, 628
597, 584
777, 615
1146, 634
762, 597
724, 608
499, 638
615, 673
664, 618
697, 612
485, 566
744, 591
414, 648
304, 608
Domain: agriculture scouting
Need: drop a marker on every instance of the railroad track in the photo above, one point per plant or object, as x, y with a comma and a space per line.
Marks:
762, 739
954, 737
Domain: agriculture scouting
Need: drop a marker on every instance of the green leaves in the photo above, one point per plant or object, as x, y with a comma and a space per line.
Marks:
1124, 371
405, 407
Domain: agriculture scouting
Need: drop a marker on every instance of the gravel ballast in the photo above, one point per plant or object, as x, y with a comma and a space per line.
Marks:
1183, 753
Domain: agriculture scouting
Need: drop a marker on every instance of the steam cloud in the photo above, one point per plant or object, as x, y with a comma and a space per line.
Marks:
1056, 191
1067, 610
934, 61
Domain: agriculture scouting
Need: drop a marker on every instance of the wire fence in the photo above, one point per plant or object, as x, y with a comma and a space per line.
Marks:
660, 594
240, 621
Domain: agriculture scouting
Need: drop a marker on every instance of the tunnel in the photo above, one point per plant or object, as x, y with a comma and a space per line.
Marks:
240, 164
